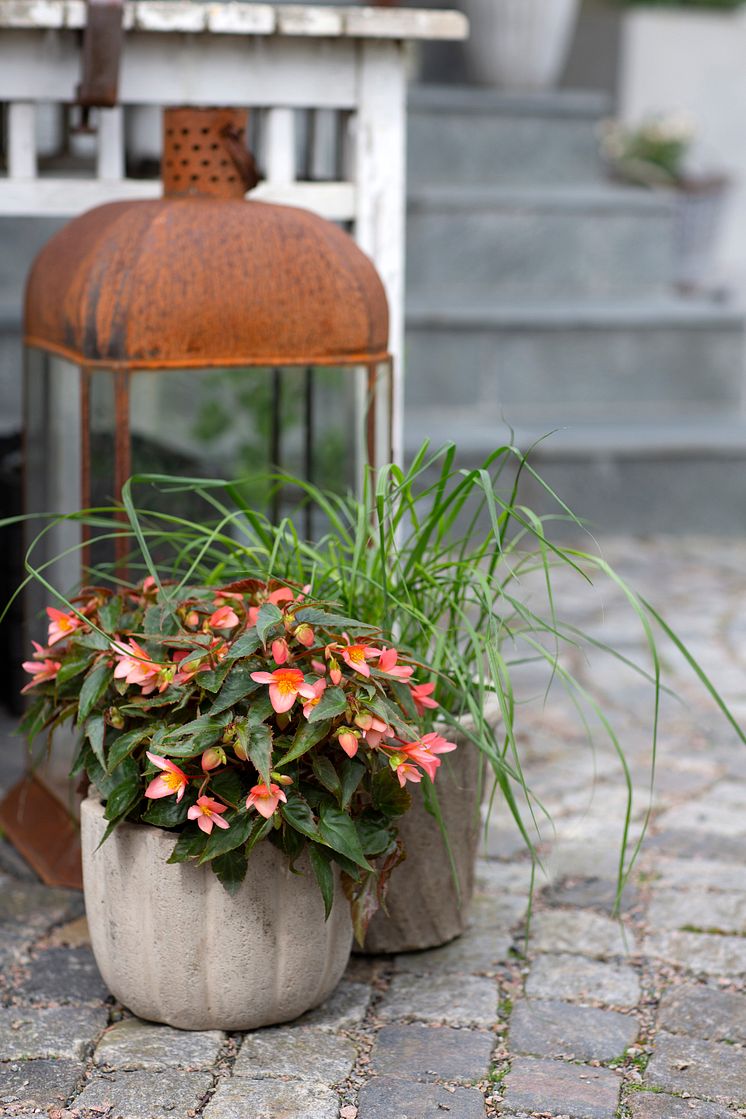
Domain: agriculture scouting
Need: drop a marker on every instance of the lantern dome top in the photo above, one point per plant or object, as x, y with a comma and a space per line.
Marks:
191, 281
203, 277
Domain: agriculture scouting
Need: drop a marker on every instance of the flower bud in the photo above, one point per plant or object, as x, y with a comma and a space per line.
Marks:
305, 635
281, 778
280, 650
115, 718
239, 751
192, 619
212, 758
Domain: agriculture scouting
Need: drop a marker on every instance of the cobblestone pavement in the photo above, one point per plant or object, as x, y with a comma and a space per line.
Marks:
592, 1017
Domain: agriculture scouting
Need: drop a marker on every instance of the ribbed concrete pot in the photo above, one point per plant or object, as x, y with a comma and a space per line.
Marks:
424, 907
174, 947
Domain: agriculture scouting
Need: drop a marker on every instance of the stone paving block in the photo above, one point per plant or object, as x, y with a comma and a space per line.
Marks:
431, 1052
572, 858
698, 910
37, 907
709, 874
140, 1095
73, 934
682, 843
590, 893
387, 1098
304, 1053
658, 1105
343, 1010
27, 1032
272, 1099
707, 816
703, 1068
455, 1000
544, 1028
66, 975
704, 1012
14, 865
699, 952
552, 1087
580, 933
13, 948
577, 979
134, 1044
477, 951
503, 841
498, 911
38, 1083
494, 877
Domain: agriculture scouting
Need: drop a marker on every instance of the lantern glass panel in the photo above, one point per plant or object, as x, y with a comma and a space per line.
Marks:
53, 461
242, 423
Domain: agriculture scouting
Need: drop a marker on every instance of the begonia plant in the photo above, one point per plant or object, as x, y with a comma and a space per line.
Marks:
237, 714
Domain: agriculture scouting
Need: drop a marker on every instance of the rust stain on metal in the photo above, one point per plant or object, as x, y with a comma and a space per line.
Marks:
205, 277
204, 152
44, 832
103, 39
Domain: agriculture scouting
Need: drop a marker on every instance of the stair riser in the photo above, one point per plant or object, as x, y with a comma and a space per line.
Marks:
468, 148
576, 373
688, 493
460, 256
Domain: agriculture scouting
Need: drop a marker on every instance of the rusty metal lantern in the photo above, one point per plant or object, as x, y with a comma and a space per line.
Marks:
133, 308
154, 327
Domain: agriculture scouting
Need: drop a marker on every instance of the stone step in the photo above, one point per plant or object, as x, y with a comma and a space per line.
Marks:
684, 476
575, 361
464, 135
465, 244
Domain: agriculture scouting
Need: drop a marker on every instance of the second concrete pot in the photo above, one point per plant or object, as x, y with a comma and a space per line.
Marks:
425, 907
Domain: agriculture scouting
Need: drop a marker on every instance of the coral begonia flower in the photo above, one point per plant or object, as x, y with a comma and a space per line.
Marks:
405, 771
225, 617
373, 728
282, 594
421, 696
135, 666
207, 812
41, 668
265, 800
280, 650
348, 740
425, 752
172, 780
387, 663
355, 656
61, 625
284, 685
318, 690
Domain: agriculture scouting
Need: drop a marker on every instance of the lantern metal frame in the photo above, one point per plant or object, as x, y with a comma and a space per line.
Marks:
205, 278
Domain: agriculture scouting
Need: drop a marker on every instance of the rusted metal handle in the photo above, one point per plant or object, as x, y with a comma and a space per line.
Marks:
243, 159
102, 51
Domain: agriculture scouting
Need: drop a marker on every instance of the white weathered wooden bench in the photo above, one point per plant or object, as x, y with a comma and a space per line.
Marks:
344, 69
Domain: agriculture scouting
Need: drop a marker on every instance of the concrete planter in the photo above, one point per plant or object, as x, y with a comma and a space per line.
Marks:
520, 45
424, 906
174, 947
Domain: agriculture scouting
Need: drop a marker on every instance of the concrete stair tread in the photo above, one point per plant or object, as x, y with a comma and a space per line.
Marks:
551, 314
583, 103
716, 435
574, 197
